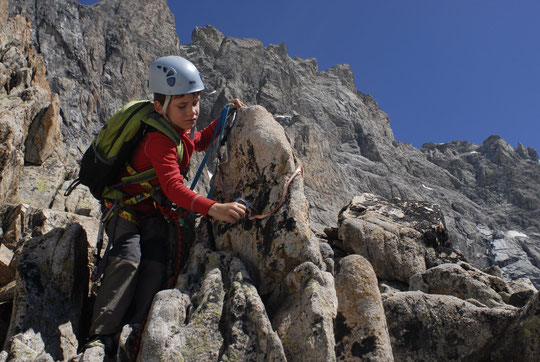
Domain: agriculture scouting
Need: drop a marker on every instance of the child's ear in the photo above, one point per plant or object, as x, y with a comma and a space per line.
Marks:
158, 107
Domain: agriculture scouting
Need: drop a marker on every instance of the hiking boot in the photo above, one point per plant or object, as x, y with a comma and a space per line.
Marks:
99, 348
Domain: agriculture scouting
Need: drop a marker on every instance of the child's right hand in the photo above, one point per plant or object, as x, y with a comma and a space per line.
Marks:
230, 212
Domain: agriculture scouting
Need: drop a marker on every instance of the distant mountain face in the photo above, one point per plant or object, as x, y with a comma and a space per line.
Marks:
489, 193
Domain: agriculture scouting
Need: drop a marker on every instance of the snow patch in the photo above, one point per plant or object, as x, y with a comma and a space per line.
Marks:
484, 230
428, 188
515, 234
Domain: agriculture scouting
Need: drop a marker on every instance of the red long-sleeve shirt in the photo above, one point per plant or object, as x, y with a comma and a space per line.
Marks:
158, 151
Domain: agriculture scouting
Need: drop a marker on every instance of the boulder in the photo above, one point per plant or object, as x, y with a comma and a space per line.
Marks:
520, 340
20, 223
305, 316
260, 164
399, 238
521, 291
214, 313
44, 135
440, 328
462, 281
360, 327
52, 277
279, 247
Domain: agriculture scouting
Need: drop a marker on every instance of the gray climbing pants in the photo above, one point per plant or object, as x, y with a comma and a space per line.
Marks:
135, 271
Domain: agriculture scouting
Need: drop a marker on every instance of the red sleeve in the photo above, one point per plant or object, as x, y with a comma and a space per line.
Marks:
163, 155
203, 139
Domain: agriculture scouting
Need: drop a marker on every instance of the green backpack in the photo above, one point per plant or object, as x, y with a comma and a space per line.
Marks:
108, 154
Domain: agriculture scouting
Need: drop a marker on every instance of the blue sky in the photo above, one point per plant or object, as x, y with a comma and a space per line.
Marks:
442, 69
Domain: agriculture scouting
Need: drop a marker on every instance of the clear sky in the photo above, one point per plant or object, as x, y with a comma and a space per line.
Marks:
442, 69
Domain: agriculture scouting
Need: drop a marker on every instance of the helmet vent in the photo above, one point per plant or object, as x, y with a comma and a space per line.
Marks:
173, 75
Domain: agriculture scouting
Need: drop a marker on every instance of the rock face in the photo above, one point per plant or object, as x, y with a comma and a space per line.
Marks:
395, 280
51, 294
215, 313
487, 193
433, 327
28, 109
400, 238
96, 61
281, 249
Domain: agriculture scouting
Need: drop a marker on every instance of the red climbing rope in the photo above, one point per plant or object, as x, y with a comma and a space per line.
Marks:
298, 171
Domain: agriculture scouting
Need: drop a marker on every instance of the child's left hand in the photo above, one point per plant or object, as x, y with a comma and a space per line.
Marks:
237, 103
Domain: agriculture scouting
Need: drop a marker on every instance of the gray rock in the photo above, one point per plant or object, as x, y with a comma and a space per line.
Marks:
80, 201
521, 292
215, 313
520, 342
462, 281
399, 238
260, 164
27, 97
96, 59
51, 283
304, 320
347, 146
96, 64
280, 248
328, 256
441, 328
360, 327
44, 134
22, 222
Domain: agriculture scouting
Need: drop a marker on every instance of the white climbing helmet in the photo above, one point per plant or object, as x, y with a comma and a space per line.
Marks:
174, 75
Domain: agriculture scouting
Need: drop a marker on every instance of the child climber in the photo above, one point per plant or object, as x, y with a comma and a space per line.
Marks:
136, 264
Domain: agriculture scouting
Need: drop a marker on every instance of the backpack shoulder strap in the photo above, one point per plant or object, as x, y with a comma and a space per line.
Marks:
154, 120
157, 122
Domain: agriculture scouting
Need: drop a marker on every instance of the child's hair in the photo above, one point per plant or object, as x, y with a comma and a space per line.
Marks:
161, 97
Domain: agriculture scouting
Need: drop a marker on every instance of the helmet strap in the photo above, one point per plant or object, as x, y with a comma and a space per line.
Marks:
164, 108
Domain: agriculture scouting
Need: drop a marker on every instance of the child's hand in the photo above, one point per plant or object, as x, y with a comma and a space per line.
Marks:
237, 103
230, 212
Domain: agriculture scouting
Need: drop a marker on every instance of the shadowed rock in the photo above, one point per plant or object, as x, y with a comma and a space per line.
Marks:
214, 313
50, 296
440, 328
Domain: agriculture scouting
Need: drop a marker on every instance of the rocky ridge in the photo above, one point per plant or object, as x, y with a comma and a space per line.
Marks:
488, 193
242, 286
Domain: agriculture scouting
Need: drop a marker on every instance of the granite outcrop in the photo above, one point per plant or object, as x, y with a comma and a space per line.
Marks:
415, 242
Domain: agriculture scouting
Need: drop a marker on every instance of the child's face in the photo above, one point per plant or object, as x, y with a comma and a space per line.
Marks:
184, 111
